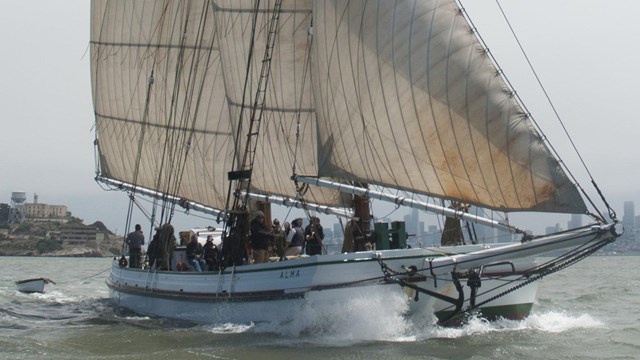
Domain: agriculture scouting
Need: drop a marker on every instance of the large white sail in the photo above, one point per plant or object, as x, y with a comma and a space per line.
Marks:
407, 98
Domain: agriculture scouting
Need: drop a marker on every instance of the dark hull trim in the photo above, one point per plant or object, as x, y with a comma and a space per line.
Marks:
206, 297
493, 313
236, 297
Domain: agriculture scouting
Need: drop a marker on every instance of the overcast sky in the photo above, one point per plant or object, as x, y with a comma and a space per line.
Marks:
586, 53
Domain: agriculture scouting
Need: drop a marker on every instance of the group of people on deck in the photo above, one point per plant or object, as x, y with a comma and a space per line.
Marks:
280, 242
202, 257
264, 244
161, 247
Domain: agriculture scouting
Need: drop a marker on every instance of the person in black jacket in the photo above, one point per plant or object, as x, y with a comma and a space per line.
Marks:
210, 254
313, 235
260, 238
153, 252
194, 254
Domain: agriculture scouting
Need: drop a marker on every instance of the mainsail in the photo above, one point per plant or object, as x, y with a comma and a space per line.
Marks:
406, 97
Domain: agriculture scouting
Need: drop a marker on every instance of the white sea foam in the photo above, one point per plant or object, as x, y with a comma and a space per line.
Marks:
56, 296
551, 322
229, 328
555, 322
366, 317
134, 318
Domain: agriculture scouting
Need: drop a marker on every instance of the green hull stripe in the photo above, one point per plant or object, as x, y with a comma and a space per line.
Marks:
511, 312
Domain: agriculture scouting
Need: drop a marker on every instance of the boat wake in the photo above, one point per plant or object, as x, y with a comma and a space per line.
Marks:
381, 319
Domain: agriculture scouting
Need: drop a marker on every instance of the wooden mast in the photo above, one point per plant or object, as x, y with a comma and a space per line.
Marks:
361, 226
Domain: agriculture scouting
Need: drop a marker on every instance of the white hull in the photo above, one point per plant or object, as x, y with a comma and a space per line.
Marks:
260, 292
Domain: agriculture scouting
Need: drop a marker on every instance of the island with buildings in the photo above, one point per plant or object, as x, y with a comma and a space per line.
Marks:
38, 229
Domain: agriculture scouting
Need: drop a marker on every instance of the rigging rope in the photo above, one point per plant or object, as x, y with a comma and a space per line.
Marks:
544, 138
194, 91
612, 213
305, 71
544, 90
85, 278
181, 115
172, 141
145, 121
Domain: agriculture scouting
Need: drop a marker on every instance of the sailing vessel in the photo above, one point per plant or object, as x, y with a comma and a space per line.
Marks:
221, 107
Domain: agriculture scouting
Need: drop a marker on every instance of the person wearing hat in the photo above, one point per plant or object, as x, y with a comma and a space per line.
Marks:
210, 253
260, 238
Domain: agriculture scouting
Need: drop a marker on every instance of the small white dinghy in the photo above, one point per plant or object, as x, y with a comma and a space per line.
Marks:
33, 285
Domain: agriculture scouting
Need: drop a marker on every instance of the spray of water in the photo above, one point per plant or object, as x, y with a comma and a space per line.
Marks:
383, 317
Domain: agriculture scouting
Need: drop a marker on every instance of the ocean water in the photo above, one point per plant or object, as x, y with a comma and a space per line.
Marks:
588, 311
